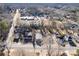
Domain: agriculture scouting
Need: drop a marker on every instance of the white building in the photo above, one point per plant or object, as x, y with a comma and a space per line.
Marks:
27, 17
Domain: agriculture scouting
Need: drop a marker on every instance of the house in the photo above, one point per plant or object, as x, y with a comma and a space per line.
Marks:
27, 18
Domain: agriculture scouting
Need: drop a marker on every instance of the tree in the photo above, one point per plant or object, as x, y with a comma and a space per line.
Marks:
4, 27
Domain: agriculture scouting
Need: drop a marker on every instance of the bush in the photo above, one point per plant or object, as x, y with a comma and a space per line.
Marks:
4, 25
77, 52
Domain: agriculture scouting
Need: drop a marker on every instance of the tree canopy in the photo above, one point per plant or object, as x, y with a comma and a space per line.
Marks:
4, 26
